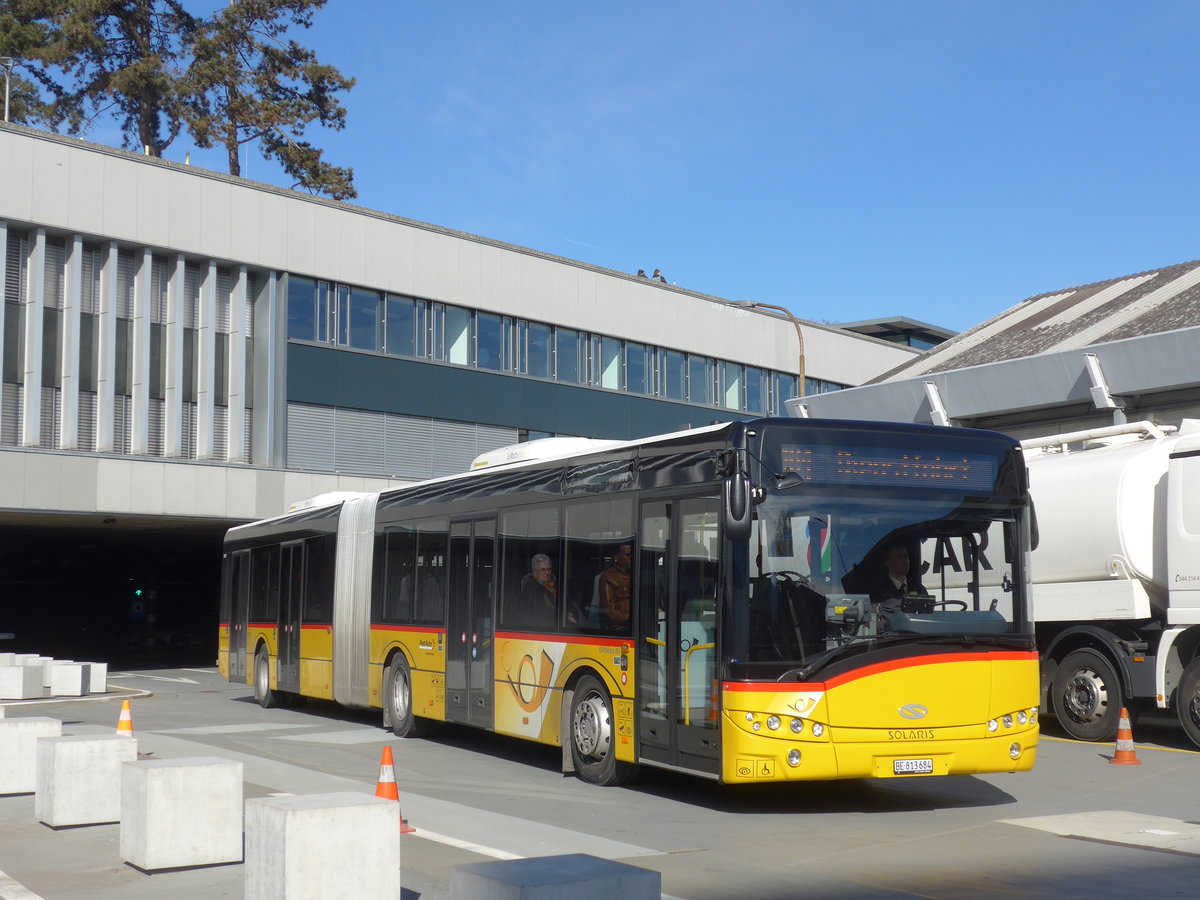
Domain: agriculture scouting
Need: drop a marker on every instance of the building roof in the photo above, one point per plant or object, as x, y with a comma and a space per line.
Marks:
899, 325
1130, 306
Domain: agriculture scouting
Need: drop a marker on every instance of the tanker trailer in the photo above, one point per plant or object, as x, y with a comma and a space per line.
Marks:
1116, 574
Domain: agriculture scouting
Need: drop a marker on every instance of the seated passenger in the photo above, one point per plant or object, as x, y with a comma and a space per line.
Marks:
539, 594
615, 589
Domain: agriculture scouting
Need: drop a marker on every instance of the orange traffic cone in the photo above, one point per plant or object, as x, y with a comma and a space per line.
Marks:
125, 723
1125, 753
386, 786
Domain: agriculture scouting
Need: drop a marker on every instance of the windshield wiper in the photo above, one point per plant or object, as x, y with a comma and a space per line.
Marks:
809, 669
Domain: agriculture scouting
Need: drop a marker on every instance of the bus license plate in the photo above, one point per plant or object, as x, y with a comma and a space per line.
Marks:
912, 766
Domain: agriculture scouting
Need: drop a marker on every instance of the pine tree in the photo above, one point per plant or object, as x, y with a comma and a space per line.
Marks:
248, 83
94, 57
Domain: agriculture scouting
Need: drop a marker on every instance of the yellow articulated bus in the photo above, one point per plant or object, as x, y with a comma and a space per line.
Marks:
769, 600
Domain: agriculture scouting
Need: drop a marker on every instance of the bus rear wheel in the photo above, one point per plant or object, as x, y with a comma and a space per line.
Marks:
397, 694
592, 735
266, 697
1087, 696
1187, 700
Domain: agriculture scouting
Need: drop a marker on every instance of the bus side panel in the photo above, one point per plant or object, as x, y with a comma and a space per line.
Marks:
223, 650
316, 661
531, 674
425, 649
258, 633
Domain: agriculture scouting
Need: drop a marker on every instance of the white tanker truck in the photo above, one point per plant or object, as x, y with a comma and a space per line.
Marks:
1116, 573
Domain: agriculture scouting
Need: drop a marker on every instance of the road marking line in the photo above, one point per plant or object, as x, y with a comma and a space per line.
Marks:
11, 889
231, 729
1147, 747
1114, 826
349, 736
112, 675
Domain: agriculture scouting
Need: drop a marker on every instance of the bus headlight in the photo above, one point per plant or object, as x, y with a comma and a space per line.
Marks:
757, 726
817, 729
1033, 714
793, 757
773, 723
1022, 718
1014, 750
797, 725
1008, 720
993, 725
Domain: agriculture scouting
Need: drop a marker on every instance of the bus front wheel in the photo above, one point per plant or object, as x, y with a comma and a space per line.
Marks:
266, 697
397, 686
592, 735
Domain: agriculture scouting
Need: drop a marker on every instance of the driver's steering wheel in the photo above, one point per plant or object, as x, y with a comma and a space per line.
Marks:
960, 605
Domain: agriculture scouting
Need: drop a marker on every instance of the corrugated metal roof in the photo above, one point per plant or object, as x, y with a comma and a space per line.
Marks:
1130, 306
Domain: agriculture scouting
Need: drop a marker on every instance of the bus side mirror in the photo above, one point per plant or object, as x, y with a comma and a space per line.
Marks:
736, 506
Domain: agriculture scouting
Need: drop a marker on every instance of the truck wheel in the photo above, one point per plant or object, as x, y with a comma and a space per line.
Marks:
1187, 700
1087, 696
593, 735
266, 697
397, 695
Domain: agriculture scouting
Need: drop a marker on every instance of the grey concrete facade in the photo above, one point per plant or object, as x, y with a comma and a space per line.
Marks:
148, 370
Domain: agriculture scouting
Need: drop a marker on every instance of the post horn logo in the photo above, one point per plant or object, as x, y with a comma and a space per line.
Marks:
913, 711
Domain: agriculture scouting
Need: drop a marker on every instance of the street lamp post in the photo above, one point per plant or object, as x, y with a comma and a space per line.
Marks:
7, 63
754, 304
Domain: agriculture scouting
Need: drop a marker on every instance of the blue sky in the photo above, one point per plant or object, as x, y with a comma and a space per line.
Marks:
940, 159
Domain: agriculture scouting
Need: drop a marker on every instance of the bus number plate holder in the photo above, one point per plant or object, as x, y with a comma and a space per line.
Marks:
912, 766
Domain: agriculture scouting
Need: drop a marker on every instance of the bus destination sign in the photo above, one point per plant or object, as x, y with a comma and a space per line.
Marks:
878, 466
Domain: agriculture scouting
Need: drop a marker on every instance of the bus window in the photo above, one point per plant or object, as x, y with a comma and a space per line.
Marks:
399, 575
531, 594
429, 592
318, 581
596, 567
264, 585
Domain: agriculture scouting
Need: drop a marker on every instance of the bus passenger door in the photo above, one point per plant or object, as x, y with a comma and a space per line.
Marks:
239, 587
471, 574
291, 601
677, 578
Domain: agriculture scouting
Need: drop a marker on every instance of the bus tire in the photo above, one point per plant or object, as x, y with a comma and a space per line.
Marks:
1087, 696
266, 697
397, 694
1187, 700
593, 747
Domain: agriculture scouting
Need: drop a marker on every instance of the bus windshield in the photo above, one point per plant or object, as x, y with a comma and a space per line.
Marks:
831, 567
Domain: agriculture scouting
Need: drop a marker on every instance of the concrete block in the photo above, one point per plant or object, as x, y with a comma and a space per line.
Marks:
79, 778
576, 876
48, 664
20, 682
97, 677
322, 845
7, 659
67, 679
181, 812
18, 751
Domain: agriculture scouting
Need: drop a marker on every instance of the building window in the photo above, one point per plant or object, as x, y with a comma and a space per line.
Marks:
404, 324
534, 343
489, 342
301, 309
566, 355
731, 385
700, 379
673, 384
358, 318
637, 374
606, 357
755, 390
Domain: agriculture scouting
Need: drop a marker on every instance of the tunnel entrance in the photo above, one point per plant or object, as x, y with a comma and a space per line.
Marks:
131, 591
